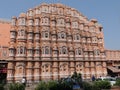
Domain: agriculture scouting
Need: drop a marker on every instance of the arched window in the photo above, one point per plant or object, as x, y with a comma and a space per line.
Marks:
45, 20
47, 50
61, 35
30, 13
21, 21
97, 52
75, 24
64, 50
77, 37
30, 35
46, 68
45, 34
12, 34
21, 33
36, 21
37, 51
63, 68
13, 22
91, 29
78, 51
21, 50
37, 11
11, 52
30, 22
30, 51
60, 22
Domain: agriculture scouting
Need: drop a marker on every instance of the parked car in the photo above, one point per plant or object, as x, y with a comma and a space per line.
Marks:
112, 80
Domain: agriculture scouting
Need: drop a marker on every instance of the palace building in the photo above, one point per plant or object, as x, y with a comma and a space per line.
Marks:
4, 53
113, 62
51, 41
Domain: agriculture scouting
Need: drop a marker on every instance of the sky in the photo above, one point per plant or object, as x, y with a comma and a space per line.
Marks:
107, 12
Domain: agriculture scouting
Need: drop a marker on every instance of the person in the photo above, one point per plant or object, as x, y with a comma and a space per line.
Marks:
23, 81
93, 78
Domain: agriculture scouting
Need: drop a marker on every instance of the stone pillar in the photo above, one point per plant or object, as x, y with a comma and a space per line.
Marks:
92, 65
104, 69
87, 70
99, 71
55, 71
29, 72
10, 73
36, 72
72, 68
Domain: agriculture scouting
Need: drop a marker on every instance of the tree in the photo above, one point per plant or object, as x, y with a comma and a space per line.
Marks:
42, 86
65, 85
117, 82
104, 84
16, 86
53, 85
77, 78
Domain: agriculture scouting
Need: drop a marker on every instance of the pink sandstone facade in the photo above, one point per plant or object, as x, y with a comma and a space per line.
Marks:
113, 61
4, 44
51, 41
4, 38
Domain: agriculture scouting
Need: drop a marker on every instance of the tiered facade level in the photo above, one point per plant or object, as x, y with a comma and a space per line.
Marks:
113, 60
4, 39
51, 41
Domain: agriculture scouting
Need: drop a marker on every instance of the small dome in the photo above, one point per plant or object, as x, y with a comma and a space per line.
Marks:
93, 20
14, 17
81, 22
100, 26
44, 4
30, 9
22, 15
37, 7
59, 5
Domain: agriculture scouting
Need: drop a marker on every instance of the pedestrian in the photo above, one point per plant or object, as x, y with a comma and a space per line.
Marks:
93, 78
24, 81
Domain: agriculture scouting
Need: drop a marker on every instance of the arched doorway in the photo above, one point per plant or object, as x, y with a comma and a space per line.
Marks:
3, 71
